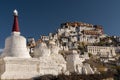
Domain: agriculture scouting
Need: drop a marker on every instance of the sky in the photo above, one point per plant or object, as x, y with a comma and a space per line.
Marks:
40, 17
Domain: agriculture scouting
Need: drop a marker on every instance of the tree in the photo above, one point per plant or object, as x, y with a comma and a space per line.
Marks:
90, 54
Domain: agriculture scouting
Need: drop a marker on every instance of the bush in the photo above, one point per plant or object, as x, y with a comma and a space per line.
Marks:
45, 77
75, 76
90, 54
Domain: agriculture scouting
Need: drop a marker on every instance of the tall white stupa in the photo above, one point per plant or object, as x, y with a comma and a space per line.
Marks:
15, 45
15, 61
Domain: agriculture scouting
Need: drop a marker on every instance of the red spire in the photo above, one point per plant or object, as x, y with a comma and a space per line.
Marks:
15, 24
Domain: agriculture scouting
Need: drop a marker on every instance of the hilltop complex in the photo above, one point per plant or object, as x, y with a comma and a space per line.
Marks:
75, 47
85, 47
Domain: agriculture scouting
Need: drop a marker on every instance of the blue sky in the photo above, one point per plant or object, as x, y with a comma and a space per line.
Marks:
40, 17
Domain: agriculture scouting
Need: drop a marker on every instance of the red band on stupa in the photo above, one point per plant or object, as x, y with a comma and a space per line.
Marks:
15, 24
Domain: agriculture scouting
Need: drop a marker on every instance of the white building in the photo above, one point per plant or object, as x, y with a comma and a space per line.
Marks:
81, 32
117, 38
45, 38
102, 51
88, 39
74, 64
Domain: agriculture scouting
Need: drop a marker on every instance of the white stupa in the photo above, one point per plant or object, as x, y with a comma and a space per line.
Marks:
15, 45
15, 61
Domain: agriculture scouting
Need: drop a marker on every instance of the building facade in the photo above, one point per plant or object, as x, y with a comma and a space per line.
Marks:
101, 51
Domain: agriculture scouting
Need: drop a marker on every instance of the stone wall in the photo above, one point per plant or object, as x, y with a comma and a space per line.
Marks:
21, 68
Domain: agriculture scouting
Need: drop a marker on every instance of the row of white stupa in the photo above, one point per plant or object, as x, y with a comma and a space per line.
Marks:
16, 63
